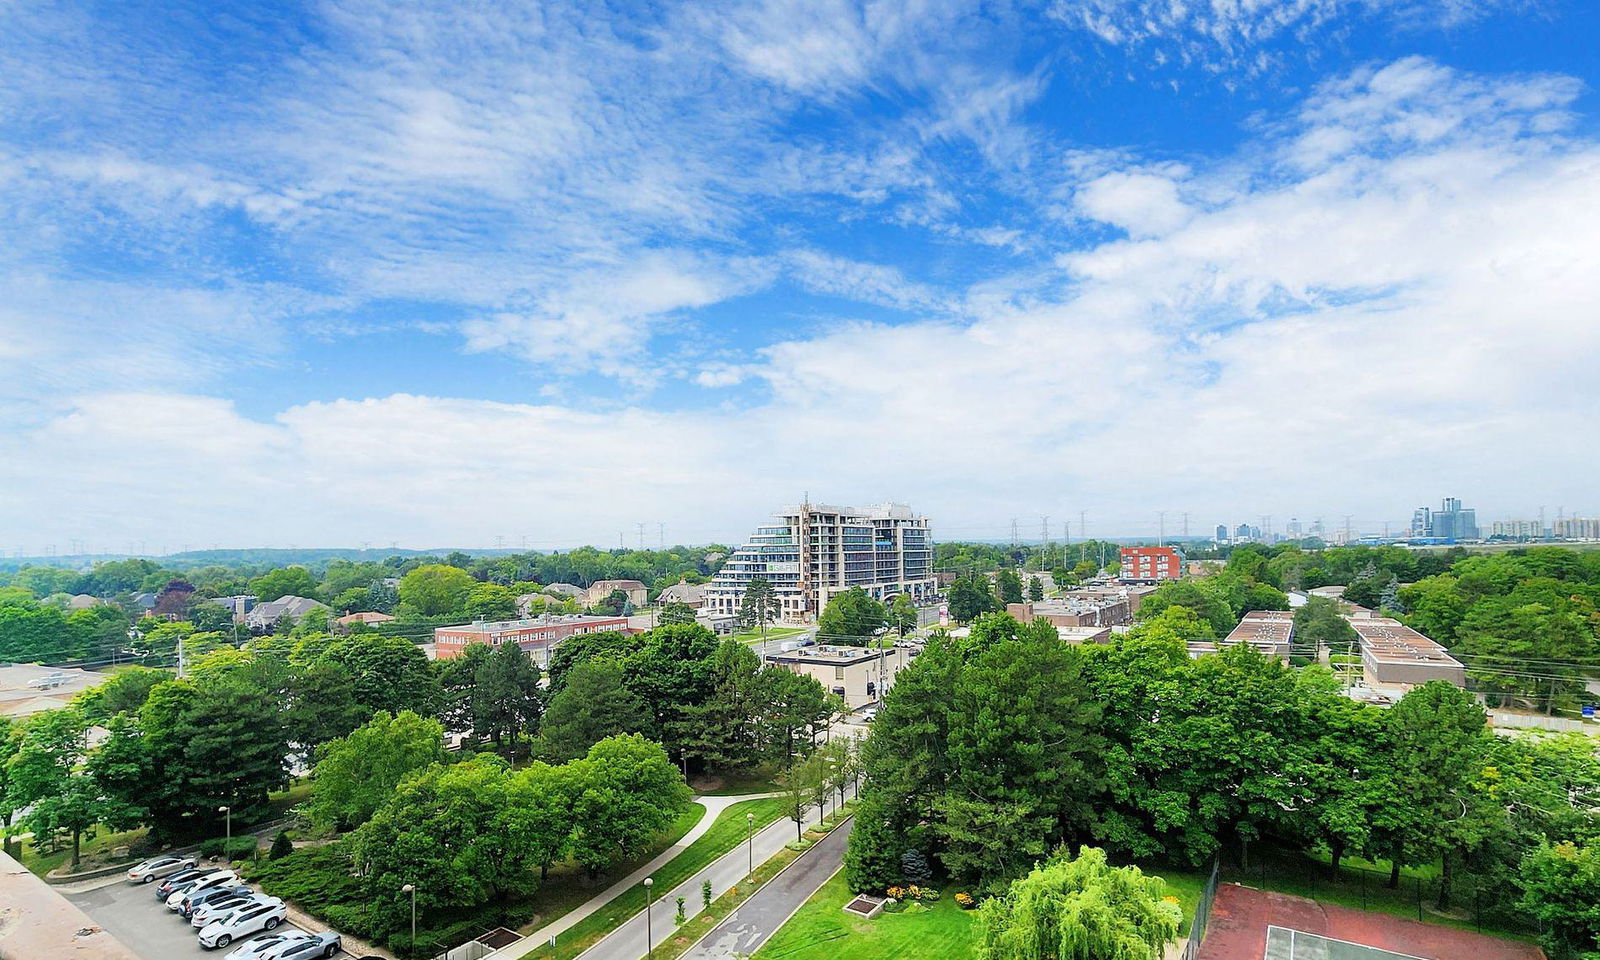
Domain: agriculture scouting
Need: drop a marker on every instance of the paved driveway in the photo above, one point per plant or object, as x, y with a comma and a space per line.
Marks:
131, 914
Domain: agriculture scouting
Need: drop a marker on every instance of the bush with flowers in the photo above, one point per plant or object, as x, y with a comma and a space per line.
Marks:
966, 900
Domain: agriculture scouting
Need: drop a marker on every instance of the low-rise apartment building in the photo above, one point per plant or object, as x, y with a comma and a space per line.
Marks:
1150, 564
1270, 631
1084, 607
538, 635
857, 674
636, 592
1395, 658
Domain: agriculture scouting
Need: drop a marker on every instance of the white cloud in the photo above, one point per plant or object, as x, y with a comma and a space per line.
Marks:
1362, 304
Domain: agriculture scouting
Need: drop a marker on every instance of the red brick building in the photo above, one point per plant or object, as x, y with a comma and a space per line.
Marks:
538, 636
1150, 564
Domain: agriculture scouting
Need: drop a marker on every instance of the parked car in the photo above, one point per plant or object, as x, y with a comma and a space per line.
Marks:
265, 948
162, 866
201, 911
320, 945
243, 922
176, 880
215, 878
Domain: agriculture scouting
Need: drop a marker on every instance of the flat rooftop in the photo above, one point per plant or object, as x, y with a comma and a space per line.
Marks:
532, 623
829, 656
1390, 641
1263, 626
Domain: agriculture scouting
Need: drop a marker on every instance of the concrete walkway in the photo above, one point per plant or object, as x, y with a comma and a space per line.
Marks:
755, 921
714, 807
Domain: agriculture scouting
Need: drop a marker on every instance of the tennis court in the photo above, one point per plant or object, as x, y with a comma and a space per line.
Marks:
1284, 943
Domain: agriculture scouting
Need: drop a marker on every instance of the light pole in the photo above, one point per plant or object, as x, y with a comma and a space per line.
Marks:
649, 901
411, 888
227, 811
749, 845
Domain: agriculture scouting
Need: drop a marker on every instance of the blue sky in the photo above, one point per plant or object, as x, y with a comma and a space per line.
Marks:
431, 273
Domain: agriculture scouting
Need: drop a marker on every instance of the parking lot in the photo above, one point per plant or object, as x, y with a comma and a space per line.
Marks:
131, 914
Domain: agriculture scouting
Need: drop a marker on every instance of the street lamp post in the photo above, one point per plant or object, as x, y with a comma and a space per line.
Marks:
749, 845
649, 901
411, 888
228, 813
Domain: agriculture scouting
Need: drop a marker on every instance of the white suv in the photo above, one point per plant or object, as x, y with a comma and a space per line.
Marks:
243, 922
215, 878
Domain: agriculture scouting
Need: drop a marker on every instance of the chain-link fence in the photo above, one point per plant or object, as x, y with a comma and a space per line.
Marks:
1471, 901
1202, 914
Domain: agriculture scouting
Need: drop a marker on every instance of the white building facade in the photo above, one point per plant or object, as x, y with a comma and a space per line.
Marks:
814, 551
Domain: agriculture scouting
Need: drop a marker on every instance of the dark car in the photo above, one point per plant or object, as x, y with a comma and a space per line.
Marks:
212, 896
176, 880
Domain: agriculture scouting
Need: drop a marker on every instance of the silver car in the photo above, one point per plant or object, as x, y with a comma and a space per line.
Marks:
266, 948
212, 909
157, 867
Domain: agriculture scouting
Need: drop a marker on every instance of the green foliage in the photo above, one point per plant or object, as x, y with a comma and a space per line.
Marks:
234, 848
282, 846
505, 695
594, 704
124, 692
386, 673
675, 612
284, 582
1079, 909
1008, 586
435, 589
759, 606
970, 597
1559, 881
625, 792
1035, 589
851, 614
357, 775
902, 615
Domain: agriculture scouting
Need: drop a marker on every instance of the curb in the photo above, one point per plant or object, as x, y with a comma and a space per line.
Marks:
771, 880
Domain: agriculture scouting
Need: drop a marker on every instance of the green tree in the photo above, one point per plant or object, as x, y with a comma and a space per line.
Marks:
970, 597
595, 703
1008, 586
505, 697
235, 745
851, 617
321, 706
1079, 908
49, 777
124, 692
802, 781
356, 775
284, 582
386, 673
589, 646
1035, 589
1559, 882
435, 589
626, 792
902, 617
675, 612
759, 605
458, 678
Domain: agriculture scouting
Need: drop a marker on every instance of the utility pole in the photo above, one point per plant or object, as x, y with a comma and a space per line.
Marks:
1044, 530
1013, 531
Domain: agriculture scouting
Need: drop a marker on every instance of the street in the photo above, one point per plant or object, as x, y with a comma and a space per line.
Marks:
131, 913
757, 919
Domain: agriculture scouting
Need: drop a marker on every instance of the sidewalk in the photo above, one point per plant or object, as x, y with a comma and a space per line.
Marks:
629, 940
714, 807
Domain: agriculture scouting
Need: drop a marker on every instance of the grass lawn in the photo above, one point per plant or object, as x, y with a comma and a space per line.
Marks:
92, 853
725, 834
773, 633
821, 930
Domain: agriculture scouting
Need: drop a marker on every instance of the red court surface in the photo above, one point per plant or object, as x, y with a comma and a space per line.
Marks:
1240, 916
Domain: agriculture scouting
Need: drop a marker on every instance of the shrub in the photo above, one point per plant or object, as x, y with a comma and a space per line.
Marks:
930, 896
914, 867
282, 846
238, 848
966, 900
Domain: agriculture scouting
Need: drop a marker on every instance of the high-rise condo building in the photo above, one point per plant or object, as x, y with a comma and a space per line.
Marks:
814, 551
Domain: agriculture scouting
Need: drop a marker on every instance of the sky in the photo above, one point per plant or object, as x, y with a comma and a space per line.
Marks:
440, 273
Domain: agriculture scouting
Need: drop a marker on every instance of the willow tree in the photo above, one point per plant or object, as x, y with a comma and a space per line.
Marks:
1079, 908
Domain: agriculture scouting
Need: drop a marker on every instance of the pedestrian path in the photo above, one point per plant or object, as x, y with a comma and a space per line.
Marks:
714, 807
633, 938
754, 922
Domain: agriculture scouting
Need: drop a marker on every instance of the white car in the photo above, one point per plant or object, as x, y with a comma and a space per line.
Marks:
157, 867
243, 922
265, 948
215, 878
325, 944
214, 909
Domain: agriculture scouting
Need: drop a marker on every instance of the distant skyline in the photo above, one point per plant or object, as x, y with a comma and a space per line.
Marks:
344, 271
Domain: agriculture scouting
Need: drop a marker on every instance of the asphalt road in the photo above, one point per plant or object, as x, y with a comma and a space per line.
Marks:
629, 940
757, 919
131, 914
